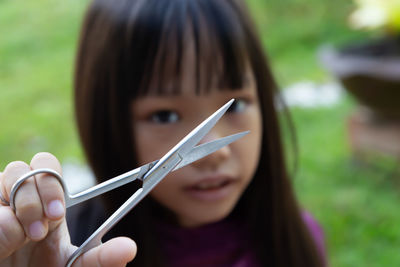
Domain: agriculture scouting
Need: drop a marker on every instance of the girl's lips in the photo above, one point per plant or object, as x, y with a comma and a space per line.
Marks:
211, 188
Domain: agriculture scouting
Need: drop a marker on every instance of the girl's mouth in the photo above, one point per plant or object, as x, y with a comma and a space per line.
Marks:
211, 188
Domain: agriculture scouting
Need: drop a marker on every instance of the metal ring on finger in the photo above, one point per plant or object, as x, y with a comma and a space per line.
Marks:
26, 176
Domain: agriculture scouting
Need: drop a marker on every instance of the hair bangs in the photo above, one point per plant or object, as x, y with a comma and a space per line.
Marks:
199, 45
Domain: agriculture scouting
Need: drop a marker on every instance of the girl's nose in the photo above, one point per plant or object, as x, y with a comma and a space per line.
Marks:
213, 161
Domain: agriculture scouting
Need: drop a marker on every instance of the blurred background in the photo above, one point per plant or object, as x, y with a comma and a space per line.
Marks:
347, 175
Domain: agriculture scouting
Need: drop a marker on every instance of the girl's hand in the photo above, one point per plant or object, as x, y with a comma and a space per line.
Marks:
36, 234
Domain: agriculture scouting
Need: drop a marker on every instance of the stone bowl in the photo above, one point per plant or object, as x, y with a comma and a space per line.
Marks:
369, 72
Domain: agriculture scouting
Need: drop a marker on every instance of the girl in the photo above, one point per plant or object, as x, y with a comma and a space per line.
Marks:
147, 72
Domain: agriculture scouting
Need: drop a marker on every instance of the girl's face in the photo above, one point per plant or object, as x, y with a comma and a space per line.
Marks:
207, 190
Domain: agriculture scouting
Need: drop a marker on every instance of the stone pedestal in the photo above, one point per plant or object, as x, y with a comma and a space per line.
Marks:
370, 135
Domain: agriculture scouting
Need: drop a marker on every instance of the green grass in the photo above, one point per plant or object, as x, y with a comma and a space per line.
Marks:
37, 47
356, 204
293, 30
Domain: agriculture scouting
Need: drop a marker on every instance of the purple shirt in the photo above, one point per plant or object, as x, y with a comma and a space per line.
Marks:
317, 233
220, 244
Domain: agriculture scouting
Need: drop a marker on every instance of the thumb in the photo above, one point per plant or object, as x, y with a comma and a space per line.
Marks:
116, 252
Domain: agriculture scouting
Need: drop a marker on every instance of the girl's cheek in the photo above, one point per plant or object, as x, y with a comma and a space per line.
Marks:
253, 147
154, 140
249, 120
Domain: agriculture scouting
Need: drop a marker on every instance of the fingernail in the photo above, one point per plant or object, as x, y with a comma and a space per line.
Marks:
55, 209
37, 230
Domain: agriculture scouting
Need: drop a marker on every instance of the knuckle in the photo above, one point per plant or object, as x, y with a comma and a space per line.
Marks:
15, 165
43, 155
46, 159
50, 187
29, 211
12, 172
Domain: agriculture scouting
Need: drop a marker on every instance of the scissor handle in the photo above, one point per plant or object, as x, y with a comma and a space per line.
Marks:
71, 200
26, 176
151, 179
95, 239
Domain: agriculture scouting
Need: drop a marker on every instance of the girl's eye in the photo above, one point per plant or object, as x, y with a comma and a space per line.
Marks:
239, 105
164, 117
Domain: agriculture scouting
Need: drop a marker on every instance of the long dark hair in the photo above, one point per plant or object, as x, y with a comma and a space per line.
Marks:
123, 43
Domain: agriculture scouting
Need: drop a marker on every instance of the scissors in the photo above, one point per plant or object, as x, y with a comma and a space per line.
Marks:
184, 153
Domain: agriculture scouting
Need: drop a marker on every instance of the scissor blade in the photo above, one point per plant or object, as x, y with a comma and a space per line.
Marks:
184, 146
151, 174
194, 137
203, 150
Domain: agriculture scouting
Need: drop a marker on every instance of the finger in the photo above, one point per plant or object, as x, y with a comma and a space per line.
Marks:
28, 206
116, 252
12, 172
12, 235
3, 200
50, 190
2, 191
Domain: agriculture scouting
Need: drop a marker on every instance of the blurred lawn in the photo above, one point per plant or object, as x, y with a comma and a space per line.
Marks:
356, 205
37, 47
